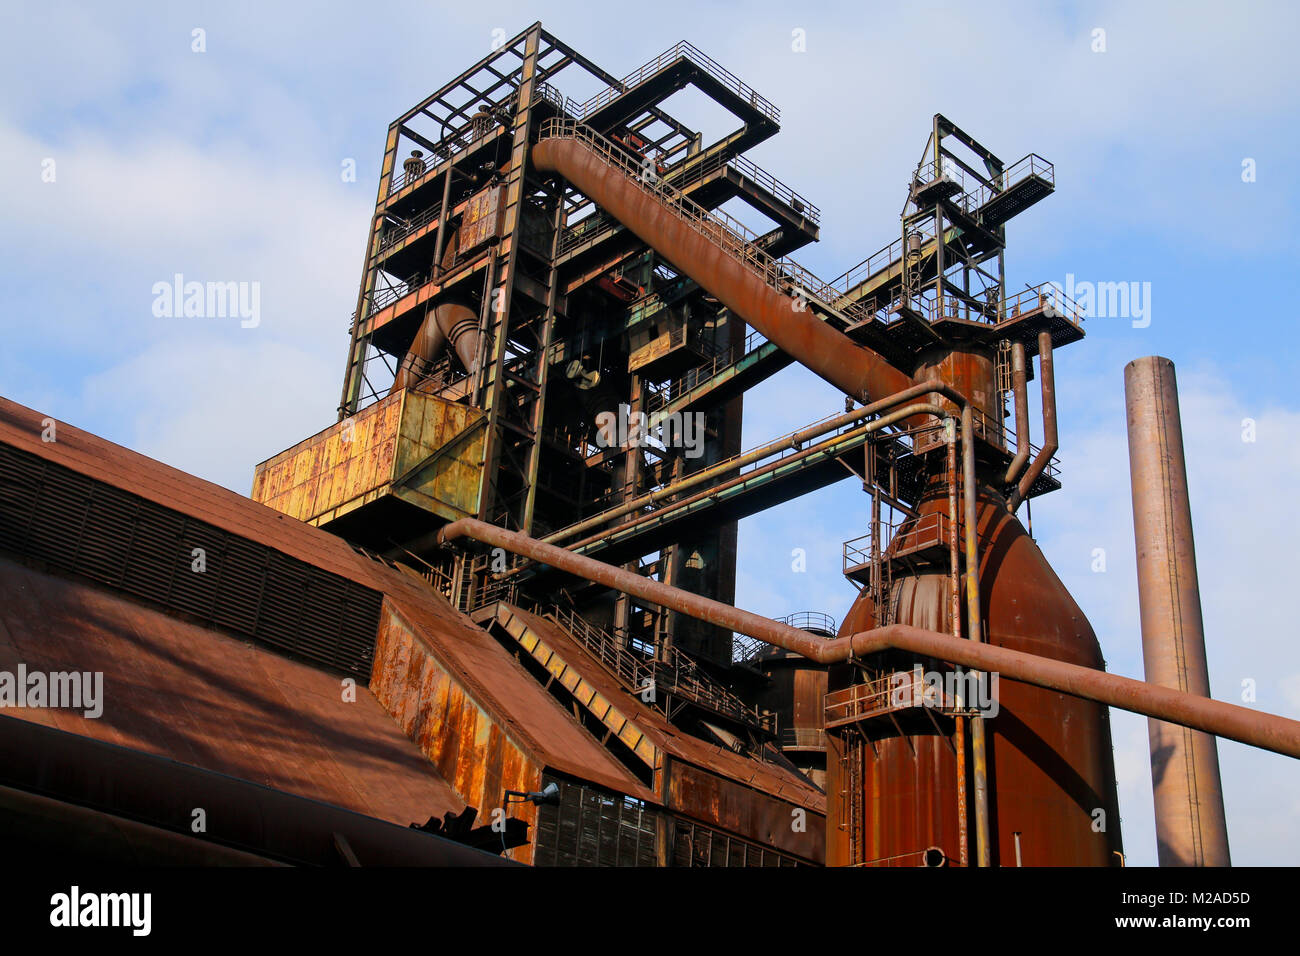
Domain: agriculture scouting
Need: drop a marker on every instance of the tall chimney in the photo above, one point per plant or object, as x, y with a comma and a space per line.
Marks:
1190, 825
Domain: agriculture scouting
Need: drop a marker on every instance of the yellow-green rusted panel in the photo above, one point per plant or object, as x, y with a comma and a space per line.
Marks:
423, 449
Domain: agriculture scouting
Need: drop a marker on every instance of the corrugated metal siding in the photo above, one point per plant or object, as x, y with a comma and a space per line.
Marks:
698, 845
81, 526
590, 827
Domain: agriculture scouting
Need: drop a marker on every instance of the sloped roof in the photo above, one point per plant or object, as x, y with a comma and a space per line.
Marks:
768, 778
521, 706
181, 691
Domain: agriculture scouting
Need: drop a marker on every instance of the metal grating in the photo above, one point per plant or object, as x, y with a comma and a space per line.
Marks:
77, 525
697, 845
590, 827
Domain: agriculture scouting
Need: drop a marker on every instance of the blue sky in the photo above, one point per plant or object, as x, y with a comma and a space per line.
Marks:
225, 165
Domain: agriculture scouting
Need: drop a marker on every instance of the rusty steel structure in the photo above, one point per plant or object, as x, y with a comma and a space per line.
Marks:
519, 539
611, 287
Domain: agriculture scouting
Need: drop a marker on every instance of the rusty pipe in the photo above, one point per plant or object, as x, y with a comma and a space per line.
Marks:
793, 440
1191, 829
459, 325
974, 633
858, 371
954, 614
428, 342
1267, 731
448, 322
1020, 393
820, 448
1048, 386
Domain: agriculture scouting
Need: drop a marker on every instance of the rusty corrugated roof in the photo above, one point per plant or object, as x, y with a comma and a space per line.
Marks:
181, 691
522, 708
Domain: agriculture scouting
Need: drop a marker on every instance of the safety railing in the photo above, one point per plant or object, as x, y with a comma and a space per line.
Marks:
678, 51
681, 176
893, 692
690, 173
803, 738
817, 621
881, 260
381, 298
728, 233
399, 229
459, 140
677, 674
929, 530
633, 672
658, 397
1031, 166
1046, 296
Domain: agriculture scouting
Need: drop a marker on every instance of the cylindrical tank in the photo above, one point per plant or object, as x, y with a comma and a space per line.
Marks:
795, 691
892, 780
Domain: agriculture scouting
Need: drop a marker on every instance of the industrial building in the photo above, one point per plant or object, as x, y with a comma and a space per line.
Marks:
488, 613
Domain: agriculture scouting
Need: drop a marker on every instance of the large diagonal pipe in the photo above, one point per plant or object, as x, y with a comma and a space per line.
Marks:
858, 371
1267, 731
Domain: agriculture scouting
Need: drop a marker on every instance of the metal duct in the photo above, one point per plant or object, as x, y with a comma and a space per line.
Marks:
857, 370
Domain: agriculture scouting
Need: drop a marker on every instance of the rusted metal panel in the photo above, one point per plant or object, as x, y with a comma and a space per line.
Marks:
179, 690
452, 730
747, 812
483, 219
378, 452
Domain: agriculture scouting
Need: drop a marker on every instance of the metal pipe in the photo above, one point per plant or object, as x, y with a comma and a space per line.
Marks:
705, 474
1044, 457
444, 217
974, 633
1020, 392
1190, 826
741, 461
794, 328
460, 326
954, 614
1267, 731
818, 449
428, 342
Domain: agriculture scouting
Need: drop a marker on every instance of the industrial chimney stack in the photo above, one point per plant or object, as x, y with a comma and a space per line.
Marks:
1190, 825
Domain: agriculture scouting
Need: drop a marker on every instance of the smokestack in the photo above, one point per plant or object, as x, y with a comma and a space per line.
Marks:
1190, 825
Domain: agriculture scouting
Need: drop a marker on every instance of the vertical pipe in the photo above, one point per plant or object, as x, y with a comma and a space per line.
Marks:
1190, 825
979, 749
954, 592
1050, 444
1020, 391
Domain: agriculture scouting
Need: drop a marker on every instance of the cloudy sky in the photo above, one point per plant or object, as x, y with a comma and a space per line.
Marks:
129, 157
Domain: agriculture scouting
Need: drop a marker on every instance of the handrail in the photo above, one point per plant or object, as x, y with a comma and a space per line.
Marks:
933, 525
680, 50
784, 275
600, 223
660, 396
404, 227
